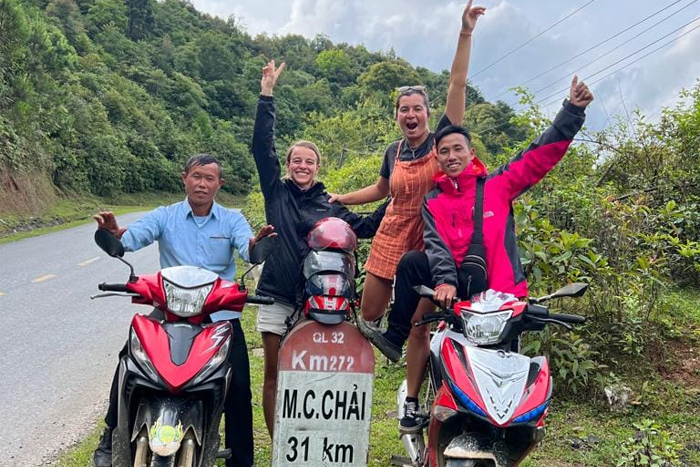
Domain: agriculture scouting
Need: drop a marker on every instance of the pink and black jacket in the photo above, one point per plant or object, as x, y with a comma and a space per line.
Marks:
448, 209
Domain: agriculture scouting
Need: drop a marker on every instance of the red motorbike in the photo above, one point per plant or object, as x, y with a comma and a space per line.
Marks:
175, 374
487, 402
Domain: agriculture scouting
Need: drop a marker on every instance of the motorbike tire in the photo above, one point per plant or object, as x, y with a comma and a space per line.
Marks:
158, 461
463, 463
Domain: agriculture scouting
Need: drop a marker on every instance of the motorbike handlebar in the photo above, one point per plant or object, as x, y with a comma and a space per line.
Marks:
565, 318
112, 287
436, 316
260, 300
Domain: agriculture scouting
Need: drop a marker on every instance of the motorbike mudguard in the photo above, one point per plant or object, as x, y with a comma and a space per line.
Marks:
474, 446
181, 412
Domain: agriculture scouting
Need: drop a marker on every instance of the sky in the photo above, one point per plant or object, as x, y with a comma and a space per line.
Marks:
424, 32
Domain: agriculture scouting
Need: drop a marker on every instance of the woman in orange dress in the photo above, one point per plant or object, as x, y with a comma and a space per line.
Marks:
407, 174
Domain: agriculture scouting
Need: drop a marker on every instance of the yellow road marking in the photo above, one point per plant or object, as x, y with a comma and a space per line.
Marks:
44, 278
91, 260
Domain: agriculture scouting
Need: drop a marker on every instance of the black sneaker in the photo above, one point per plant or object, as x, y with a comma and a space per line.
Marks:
413, 419
385, 346
103, 454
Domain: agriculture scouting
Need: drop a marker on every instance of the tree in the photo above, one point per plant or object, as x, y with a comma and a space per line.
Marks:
141, 18
336, 66
105, 12
385, 77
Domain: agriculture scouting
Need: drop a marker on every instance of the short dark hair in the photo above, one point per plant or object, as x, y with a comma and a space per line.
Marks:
450, 129
202, 159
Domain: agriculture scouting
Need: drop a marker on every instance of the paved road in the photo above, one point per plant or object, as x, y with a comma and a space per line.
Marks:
58, 348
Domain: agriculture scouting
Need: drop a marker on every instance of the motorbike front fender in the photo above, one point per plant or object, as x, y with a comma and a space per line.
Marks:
474, 447
170, 410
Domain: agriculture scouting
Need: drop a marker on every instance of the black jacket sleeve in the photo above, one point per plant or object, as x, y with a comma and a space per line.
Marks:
264, 147
442, 265
363, 226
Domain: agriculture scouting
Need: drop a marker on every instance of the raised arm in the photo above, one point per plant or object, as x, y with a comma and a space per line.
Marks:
531, 165
457, 90
263, 148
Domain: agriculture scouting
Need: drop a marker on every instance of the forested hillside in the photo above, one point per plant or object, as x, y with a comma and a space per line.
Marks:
111, 96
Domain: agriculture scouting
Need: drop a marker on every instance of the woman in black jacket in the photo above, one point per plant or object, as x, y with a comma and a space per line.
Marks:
293, 204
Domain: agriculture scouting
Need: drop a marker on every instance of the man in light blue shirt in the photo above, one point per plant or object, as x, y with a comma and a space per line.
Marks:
197, 232
187, 239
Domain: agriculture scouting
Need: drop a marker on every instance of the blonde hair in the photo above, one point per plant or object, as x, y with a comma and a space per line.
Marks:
304, 144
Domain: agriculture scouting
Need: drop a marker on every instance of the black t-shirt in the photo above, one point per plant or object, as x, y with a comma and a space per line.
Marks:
408, 154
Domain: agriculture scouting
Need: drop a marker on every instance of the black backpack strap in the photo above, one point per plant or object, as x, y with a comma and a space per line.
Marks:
478, 235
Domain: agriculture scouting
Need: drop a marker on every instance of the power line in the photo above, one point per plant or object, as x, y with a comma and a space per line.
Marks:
601, 43
627, 65
531, 39
495, 127
620, 45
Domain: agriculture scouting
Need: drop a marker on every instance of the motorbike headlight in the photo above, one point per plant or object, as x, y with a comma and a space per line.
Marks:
213, 363
185, 302
141, 358
484, 328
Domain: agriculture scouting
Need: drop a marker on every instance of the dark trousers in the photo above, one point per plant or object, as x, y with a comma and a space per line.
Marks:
413, 269
238, 410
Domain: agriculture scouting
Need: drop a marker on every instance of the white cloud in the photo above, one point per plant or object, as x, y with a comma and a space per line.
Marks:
427, 35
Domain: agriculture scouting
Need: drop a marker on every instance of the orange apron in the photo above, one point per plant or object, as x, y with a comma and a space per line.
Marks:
401, 229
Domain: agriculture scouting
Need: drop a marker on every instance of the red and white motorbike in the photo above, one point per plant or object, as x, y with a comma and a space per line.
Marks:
487, 401
175, 374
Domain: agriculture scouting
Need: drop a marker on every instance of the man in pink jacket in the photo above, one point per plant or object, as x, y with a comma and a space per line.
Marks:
448, 212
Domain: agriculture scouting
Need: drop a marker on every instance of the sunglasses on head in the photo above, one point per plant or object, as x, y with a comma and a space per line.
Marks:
410, 89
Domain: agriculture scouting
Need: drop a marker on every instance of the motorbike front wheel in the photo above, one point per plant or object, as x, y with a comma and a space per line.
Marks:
158, 461
465, 463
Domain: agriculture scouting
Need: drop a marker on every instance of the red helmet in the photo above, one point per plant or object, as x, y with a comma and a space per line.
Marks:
332, 233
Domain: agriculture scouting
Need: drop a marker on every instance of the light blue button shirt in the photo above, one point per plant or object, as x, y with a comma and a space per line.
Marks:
182, 241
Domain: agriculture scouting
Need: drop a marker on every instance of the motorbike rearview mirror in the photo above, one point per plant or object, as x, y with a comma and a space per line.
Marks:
576, 289
262, 249
109, 243
572, 290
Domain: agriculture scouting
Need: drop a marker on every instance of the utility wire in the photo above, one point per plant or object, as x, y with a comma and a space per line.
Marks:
629, 64
500, 125
599, 44
620, 45
530, 40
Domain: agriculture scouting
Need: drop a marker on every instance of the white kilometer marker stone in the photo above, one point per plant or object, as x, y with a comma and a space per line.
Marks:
91, 260
44, 278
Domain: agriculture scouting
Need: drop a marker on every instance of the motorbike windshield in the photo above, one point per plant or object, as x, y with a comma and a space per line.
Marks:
490, 300
329, 261
188, 277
